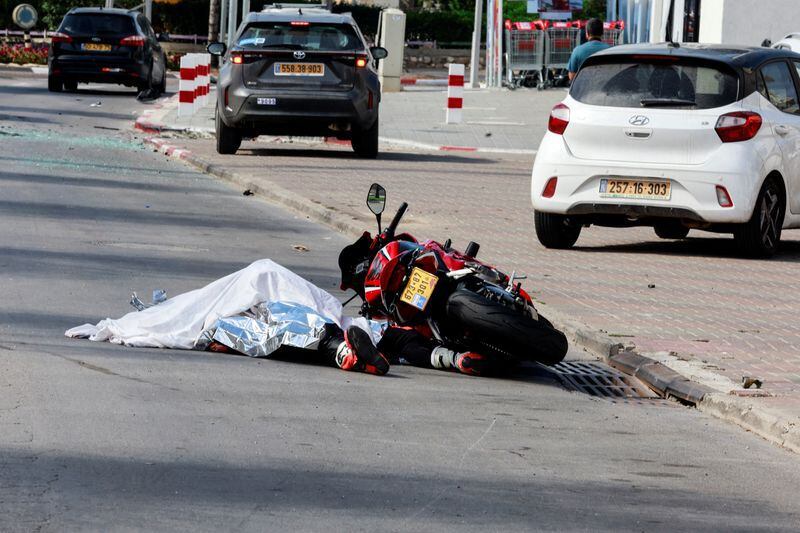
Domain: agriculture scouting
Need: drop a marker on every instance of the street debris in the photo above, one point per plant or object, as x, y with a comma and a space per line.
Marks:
300, 248
247, 192
651, 285
749, 381
96, 104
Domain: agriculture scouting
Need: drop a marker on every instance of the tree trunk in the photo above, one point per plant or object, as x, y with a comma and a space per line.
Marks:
213, 21
213, 26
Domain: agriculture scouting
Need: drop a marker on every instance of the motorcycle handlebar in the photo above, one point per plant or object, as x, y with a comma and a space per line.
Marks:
396, 220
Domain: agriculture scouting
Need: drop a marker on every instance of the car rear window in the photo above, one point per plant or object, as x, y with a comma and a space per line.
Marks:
655, 84
324, 37
97, 24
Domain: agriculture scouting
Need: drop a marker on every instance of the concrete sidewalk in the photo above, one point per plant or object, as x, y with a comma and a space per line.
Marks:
498, 121
689, 316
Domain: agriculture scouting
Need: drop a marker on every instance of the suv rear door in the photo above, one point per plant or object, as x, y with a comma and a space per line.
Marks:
299, 55
646, 109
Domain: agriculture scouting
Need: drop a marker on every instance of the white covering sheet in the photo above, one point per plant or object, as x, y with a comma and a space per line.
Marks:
178, 322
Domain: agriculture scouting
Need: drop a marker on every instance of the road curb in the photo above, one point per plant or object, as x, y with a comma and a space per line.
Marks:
662, 379
148, 125
744, 413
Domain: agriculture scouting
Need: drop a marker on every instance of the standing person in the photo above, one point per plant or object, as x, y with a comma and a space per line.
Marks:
594, 34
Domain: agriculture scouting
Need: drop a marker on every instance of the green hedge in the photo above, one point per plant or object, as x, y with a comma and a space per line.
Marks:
451, 24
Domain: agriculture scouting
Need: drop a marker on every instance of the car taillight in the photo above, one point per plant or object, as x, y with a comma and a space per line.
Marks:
559, 119
723, 198
237, 59
361, 61
132, 40
550, 189
60, 38
299, 23
738, 126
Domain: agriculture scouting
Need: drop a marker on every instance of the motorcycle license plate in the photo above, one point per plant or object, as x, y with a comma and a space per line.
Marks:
419, 289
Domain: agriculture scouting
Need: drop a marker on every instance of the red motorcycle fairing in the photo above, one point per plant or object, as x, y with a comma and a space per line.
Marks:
384, 276
392, 264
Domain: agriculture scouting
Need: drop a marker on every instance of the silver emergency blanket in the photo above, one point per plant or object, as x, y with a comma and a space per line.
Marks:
267, 327
182, 321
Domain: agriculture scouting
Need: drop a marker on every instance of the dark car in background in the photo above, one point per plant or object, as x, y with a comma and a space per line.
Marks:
97, 45
298, 71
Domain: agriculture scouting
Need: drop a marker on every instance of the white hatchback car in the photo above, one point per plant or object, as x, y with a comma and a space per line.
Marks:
677, 137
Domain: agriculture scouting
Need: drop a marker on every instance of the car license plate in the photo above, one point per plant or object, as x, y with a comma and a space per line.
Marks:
266, 101
635, 188
96, 47
419, 289
299, 69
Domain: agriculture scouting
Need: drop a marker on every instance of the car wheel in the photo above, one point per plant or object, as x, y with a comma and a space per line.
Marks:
365, 142
54, 84
228, 139
760, 236
671, 230
70, 86
162, 87
555, 231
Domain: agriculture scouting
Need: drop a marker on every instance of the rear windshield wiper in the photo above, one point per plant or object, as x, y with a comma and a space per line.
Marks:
286, 46
666, 102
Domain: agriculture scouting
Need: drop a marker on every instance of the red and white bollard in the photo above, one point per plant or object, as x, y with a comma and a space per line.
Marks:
187, 86
455, 93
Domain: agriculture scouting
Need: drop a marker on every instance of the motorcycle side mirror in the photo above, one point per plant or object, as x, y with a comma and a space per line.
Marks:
376, 201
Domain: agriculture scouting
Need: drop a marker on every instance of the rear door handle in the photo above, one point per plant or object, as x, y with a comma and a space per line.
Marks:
781, 130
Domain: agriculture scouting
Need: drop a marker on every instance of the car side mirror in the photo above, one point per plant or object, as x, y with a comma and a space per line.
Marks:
162, 37
378, 52
217, 49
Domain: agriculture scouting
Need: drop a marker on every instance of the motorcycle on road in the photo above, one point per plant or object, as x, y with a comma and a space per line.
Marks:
445, 294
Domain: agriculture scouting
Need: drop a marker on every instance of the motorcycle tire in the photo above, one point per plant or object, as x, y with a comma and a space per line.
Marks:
501, 329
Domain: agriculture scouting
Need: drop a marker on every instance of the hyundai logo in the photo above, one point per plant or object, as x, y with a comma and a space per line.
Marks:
639, 120
299, 54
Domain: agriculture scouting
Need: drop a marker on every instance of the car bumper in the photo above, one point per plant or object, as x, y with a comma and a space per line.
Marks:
693, 187
100, 71
297, 111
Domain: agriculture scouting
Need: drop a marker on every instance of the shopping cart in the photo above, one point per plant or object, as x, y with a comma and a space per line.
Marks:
613, 31
561, 38
524, 56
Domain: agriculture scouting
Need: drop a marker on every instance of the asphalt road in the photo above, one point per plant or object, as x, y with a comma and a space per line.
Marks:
101, 437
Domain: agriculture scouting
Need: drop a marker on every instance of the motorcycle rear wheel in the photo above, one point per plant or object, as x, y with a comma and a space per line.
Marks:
505, 331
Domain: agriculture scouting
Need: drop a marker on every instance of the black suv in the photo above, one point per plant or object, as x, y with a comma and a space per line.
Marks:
106, 46
298, 71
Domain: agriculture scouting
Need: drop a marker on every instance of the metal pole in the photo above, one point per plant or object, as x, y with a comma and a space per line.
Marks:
148, 9
245, 8
474, 62
489, 42
109, 4
233, 16
223, 21
498, 45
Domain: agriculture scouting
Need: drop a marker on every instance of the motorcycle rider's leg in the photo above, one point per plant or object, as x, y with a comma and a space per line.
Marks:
418, 350
470, 363
352, 350
407, 344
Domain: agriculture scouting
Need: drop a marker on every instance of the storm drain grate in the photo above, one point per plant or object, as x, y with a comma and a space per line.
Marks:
597, 379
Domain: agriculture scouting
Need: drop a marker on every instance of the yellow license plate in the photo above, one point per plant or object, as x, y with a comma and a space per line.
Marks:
633, 188
94, 47
419, 289
299, 69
